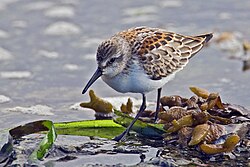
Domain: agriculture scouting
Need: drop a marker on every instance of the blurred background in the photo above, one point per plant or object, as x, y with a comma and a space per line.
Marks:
47, 51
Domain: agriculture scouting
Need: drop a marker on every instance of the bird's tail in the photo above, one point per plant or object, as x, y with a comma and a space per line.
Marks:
207, 37
203, 39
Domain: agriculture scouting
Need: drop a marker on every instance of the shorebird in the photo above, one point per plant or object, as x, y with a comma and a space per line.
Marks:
143, 59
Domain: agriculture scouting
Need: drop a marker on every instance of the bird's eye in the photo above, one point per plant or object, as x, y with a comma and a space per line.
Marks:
111, 60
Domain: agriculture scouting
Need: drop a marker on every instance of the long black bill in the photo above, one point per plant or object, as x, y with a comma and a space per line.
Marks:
95, 76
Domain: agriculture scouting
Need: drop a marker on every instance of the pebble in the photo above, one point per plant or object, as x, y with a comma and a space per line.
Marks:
225, 16
36, 110
39, 5
225, 80
90, 56
140, 10
48, 54
19, 24
60, 12
5, 54
62, 28
15, 74
4, 99
5, 3
71, 67
4, 34
70, 2
171, 3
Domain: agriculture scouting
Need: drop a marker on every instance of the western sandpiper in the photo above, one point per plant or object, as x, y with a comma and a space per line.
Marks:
143, 59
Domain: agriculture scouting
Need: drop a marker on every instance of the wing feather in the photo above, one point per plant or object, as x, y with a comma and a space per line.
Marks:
163, 53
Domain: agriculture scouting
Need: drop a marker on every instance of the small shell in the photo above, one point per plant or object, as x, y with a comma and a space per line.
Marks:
174, 113
213, 96
212, 148
215, 131
204, 106
97, 104
192, 102
227, 146
206, 132
200, 92
171, 101
230, 142
200, 117
178, 124
128, 107
219, 103
199, 133
212, 100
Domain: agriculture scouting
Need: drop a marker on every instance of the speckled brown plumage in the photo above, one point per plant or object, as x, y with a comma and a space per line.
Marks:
160, 52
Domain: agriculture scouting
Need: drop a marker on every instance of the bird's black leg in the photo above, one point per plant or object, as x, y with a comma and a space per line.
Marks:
142, 108
157, 104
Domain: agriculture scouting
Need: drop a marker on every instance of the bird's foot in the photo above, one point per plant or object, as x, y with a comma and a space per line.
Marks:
121, 137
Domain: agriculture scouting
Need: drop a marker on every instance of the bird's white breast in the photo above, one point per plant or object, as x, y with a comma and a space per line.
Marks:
135, 81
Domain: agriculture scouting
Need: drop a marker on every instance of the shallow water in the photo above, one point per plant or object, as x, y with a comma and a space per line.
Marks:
47, 51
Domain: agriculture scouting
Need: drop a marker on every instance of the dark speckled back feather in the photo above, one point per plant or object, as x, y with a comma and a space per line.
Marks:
162, 53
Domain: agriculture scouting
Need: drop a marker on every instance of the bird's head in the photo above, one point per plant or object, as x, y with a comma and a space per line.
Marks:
112, 57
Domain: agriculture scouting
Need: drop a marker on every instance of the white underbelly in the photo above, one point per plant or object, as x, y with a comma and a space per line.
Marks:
135, 82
